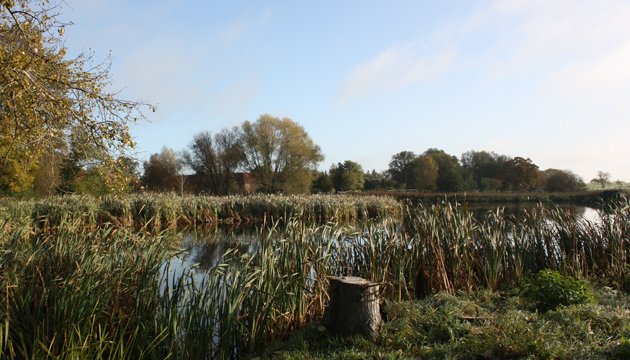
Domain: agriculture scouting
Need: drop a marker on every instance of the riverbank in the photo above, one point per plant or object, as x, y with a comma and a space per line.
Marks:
584, 198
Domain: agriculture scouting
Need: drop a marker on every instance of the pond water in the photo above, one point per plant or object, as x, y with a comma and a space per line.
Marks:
203, 250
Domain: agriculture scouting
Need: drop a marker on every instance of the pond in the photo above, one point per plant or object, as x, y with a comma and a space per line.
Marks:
204, 249
276, 278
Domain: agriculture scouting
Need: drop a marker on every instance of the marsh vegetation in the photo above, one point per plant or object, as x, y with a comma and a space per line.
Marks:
99, 278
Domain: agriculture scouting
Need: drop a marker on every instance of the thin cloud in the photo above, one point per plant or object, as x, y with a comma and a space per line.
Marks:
549, 34
238, 28
605, 77
392, 69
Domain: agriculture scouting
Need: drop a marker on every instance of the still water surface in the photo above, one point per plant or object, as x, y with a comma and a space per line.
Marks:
205, 249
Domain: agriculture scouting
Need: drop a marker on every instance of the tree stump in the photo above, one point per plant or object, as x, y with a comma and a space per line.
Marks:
353, 307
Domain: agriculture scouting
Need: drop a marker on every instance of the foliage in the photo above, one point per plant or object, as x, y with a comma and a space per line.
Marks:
554, 180
215, 159
490, 184
482, 165
163, 171
276, 152
521, 174
322, 183
449, 177
549, 289
400, 169
378, 180
46, 97
347, 176
424, 172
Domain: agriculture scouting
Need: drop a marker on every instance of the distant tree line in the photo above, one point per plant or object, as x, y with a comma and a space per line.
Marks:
279, 165
436, 171
277, 153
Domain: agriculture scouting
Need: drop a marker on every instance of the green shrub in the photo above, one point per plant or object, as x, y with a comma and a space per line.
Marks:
549, 289
623, 349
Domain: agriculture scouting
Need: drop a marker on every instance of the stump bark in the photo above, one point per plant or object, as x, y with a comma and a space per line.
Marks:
353, 307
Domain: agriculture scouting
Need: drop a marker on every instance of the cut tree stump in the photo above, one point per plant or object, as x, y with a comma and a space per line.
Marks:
353, 307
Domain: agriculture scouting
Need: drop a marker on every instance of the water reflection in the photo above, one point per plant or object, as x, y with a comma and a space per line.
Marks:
205, 248
479, 211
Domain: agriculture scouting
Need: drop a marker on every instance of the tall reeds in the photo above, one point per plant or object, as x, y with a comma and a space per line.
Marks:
73, 287
155, 212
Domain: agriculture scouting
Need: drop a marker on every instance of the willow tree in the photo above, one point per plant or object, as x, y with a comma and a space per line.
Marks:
280, 154
47, 95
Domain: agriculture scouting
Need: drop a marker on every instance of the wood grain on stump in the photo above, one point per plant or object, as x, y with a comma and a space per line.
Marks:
353, 307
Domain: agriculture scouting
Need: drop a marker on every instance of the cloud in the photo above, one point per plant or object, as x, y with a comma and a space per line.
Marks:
238, 28
393, 68
603, 78
549, 34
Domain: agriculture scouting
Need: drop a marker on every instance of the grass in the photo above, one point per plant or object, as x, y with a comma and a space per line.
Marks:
88, 278
478, 325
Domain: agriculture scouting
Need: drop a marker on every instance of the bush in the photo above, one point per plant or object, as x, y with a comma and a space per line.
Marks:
549, 289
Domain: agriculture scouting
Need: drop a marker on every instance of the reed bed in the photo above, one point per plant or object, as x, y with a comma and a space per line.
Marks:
157, 212
78, 290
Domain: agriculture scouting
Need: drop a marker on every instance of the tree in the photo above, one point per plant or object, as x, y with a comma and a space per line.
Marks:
279, 154
450, 177
490, 184
554, 180
400, 168
215, 159
347, 176
521, 174
378, 180
322, 183
424, 173
480, 165
47, 177
45, 96
602, 178
162, 171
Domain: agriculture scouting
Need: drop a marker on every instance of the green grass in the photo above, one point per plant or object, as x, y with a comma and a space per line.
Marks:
591, 186
479, 325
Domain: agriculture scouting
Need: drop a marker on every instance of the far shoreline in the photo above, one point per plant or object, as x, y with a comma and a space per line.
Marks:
586, 198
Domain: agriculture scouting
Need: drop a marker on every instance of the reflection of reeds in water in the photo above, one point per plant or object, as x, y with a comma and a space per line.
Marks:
88, 292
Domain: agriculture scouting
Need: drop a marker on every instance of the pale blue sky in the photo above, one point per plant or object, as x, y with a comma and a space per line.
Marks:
545, 79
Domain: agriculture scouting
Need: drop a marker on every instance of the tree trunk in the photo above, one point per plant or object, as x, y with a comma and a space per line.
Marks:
353, 307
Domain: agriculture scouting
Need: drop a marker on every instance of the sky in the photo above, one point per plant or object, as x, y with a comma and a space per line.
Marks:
544, 79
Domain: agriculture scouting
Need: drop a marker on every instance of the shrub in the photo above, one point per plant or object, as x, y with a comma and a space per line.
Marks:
549, 289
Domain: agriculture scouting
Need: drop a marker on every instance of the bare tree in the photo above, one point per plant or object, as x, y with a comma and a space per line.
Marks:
215, 159
602, 178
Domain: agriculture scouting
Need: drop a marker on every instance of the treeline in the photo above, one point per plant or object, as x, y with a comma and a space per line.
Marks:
435, 170
63, 132
275, 155
270, 155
